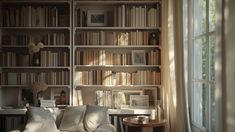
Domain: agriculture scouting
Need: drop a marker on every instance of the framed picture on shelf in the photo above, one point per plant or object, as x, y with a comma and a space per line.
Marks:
139, 101
121, 99
138, 57
60, 95
96, 18
47, 103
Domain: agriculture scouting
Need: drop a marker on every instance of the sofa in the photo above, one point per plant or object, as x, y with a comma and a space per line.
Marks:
72, 119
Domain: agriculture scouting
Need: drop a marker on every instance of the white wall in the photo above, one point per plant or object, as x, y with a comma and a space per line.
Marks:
226, 72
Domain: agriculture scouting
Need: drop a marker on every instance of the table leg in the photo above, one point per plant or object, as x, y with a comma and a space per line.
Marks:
126, 128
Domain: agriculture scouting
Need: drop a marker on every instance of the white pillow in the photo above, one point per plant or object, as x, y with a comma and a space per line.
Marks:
40, 119
94, 116
72, 119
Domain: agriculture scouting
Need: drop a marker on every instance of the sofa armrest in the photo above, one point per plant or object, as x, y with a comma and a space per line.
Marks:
106, 128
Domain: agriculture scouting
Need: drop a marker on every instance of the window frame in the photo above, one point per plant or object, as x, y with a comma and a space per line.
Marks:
191, 78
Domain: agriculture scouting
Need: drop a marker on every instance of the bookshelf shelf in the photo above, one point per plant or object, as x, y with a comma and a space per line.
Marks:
37, 1
35, 28
35, 67
117, 28
113, 2
45, 46
27, 86
117, 47
130, 68
118, 87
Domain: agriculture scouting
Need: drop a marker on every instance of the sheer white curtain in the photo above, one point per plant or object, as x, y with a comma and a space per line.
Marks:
173, 63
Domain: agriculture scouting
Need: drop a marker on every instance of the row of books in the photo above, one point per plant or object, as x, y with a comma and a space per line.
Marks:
27, 78
120, 99
137, 16
103, 98
124, 16
107, 77
10, 58
46, 39
35, 16
104, 57
115, 38
47, 58
54, 58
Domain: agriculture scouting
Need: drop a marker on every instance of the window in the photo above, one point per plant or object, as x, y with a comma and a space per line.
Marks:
199, 32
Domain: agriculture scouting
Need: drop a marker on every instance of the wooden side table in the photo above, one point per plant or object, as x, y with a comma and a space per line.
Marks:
155, 124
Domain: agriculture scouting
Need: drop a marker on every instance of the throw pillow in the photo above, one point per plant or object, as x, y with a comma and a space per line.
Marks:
94, 116
40, 119
72, 119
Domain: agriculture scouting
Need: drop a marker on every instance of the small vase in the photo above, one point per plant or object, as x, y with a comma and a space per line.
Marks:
36, 59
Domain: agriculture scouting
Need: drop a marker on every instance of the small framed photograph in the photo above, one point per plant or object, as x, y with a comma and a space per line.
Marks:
139, 101
121, 99
138, 57
47, 103
96, 18
60, 95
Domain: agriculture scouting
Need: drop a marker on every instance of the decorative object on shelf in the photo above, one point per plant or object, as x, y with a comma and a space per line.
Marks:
159, 112
138, 57
38, 89
153, 114
35, 51
153, 39
96, 18
36, 59
62, 97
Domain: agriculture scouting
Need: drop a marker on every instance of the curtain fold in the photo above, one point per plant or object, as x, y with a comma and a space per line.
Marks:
173, 63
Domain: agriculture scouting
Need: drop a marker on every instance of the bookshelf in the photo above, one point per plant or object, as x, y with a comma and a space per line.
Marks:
105, 37
88, 49
35, 21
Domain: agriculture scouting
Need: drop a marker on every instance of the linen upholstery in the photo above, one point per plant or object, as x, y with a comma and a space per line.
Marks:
72, 119
40, 119
93, 117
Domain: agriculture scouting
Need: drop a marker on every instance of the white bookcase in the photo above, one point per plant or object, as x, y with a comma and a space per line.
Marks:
97, 51
33, 21
106, 35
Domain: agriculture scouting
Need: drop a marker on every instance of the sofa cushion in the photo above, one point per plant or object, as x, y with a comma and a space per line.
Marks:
39, 120
72, 119
94, 116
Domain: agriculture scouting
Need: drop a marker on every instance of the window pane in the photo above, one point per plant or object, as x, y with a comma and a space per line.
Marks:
200, 58
199, 103
212, 57
212, 105
199, 17
185, 20
212, 12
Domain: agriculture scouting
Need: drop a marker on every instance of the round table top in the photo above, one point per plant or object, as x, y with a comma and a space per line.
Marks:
133, 121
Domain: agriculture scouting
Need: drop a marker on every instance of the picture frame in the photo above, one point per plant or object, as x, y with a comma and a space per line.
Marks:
139, 101
47, 103
60, 95
121, 99
138, 57
96, 18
